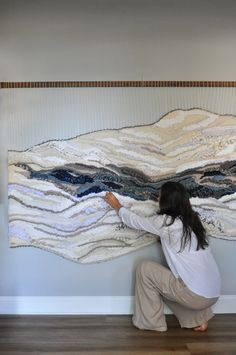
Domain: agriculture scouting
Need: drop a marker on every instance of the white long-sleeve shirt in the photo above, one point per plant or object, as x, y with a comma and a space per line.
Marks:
197, 268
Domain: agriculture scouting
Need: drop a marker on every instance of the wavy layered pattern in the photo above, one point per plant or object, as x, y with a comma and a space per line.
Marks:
56, 189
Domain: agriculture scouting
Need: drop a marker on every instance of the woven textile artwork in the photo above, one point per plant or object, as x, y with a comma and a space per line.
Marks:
56, 189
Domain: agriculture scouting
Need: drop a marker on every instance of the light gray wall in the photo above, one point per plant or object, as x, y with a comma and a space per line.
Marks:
103, 40
117, 39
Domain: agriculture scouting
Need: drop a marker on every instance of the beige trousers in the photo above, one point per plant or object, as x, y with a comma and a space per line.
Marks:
156, 285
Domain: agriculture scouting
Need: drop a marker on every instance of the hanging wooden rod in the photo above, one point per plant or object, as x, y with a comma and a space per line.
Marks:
112, 84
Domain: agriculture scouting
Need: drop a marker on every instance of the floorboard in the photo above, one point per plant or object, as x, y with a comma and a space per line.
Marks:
111, 335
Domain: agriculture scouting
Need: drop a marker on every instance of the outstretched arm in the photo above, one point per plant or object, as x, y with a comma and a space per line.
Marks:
150, 224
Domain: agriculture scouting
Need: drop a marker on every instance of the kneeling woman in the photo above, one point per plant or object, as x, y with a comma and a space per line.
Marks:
191, 285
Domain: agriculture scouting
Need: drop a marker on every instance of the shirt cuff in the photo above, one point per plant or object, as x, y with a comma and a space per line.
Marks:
120, 211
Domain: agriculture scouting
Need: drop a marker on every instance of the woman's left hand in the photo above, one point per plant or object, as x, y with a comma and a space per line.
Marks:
111, 199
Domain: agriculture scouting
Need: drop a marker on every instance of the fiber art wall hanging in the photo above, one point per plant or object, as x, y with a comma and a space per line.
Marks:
56, 188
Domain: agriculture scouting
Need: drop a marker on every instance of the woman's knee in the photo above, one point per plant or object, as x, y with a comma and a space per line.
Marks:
143, 267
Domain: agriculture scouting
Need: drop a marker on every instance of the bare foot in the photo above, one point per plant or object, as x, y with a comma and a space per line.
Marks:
201, 328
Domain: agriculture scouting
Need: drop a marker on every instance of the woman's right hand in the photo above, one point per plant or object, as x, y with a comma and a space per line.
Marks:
111, 199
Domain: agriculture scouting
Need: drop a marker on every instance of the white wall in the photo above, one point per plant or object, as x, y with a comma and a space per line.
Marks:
102, 40
117, 39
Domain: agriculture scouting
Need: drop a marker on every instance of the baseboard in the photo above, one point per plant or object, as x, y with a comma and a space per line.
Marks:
88, 305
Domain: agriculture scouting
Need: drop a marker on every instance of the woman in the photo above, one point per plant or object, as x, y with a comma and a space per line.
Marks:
191, 285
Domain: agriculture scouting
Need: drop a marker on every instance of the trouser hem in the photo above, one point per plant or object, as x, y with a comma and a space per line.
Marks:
196, 323
159, 329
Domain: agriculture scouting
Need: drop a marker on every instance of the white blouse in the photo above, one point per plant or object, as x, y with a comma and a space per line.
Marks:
197, 268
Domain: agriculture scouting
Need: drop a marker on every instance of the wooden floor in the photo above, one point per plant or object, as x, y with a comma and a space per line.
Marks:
113, 335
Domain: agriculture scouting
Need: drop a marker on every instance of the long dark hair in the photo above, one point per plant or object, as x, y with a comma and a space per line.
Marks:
174, 202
